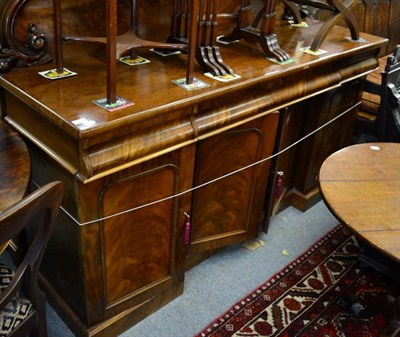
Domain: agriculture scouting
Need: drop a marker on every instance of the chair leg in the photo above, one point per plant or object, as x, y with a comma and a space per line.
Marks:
41, 314
39, 301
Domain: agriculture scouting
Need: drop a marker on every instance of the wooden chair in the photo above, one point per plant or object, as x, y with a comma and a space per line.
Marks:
387, 124
389, 109
22, 303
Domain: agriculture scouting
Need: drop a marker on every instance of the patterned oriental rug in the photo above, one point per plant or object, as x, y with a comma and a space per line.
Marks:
309, 297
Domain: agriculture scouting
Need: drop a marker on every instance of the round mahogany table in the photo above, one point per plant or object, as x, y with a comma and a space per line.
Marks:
15, 166
361, 186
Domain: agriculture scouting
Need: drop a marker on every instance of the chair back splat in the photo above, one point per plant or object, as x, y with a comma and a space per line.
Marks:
389, 111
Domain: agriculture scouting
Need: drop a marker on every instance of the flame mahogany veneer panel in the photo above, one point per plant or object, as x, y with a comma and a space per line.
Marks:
230, 209
129, 258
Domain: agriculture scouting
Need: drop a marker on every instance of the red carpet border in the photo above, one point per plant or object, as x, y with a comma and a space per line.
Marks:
306, 298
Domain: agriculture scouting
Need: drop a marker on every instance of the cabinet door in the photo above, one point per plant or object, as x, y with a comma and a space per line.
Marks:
301, 164
130, 262
230, 210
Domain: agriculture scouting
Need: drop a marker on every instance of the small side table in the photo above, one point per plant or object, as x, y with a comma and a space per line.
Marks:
15, 168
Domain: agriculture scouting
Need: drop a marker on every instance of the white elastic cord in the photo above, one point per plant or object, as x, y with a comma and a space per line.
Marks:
210, 181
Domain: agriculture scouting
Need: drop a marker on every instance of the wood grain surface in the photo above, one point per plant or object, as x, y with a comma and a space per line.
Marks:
14, 166
361, 185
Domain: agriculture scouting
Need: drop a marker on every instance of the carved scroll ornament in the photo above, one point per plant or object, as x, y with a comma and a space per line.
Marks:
12, 52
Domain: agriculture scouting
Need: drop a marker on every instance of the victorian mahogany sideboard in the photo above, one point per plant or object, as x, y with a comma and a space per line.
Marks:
103, 273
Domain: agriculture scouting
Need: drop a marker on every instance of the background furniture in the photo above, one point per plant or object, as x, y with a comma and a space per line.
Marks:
123, 266
258, 28
21, 315
379, 115
370, 100
116, 45
339, 12
389, 108
379, 18
299, 166
299, 180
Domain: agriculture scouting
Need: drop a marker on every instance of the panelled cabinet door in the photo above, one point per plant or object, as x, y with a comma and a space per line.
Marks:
134, 255
300, 165
312, 152
230, 209
137, 248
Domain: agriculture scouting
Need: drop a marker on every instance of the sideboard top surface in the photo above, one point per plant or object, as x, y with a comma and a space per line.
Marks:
150, 85
165, 116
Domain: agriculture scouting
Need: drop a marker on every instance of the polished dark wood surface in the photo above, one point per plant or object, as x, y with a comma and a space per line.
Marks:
299, 167
163, 112
361, 185
15, 166
226, 211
